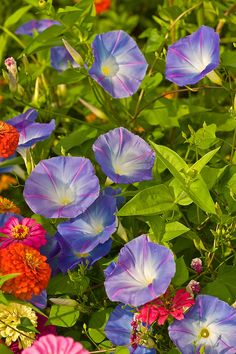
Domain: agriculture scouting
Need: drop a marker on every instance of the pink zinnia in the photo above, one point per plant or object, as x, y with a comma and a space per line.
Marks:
56, 345
165, 306
26, 231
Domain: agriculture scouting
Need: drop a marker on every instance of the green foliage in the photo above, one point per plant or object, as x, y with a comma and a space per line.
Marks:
63, 316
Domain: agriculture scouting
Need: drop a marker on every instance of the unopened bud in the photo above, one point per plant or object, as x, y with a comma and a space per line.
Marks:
196, 265
214, 78
75, 55
13, 73
193, 287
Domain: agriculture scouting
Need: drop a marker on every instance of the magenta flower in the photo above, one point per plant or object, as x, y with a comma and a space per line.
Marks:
26, 231
119, 66
61, 187
193, 57
142, 273
55, 345
123, 156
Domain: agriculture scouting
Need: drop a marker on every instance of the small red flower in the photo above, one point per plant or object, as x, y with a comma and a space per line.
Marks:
166, 305
102, 5
9, 138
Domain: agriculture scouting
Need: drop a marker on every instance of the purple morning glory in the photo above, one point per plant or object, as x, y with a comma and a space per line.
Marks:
142, 273
120, 331
60, 57
193, 57
209, 327
30, 27
30, 132
119, 66
61, 187
93, 227
40, 300
68, 258
123, 156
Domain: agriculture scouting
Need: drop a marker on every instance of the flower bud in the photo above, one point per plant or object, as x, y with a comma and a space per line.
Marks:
196, 265
193, 287
11, 66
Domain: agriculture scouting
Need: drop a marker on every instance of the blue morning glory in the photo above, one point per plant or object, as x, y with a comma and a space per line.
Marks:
93, 227
142, 273
209, 326
119, 330
59, 58
123, 156
30, 131
119, 66
68, 258
30, 27
61, 187
193, 57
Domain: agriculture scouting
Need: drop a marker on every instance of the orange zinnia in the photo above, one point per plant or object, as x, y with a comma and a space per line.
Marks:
9, 138
34, 271
6, 206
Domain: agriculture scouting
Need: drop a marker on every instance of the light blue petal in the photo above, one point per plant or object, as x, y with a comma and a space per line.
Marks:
143, 272
123, 156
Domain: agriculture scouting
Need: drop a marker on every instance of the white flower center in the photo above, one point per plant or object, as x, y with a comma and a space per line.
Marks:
109, 67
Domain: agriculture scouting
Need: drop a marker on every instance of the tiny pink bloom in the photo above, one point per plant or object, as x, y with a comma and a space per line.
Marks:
56, 345
196, 265
26, 231
193, 287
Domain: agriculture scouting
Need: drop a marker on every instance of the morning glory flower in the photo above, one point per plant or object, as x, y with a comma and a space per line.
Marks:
93, 227
68, 258
123, 156
119, 66
59, 58
61, 187
142, 273
30, 27
123, 330
209, 327
30, 131
193, 57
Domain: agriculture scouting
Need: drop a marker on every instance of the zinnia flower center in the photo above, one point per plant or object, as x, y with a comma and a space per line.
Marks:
204, 333
32, 261
109, 67
20, 232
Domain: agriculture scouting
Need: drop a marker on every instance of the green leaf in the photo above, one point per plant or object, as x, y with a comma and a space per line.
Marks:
5, 350
16, 16
153, 200
97, 324
63, 316
122, 350
26, 325
10, 162
46, 39
182, 274
195, 187
173, 351
175, 164
6, 277
76, 138
199, 193
3, 299
173, 230
198, 166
